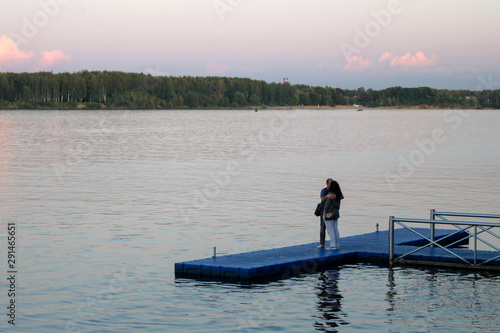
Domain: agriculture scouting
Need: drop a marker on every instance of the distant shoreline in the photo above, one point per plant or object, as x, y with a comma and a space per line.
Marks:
350, 107
104, 107
137, 91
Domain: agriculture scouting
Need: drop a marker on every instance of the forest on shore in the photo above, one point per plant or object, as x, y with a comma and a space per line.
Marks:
120, 90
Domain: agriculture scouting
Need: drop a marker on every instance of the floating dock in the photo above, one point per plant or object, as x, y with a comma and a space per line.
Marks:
281, 263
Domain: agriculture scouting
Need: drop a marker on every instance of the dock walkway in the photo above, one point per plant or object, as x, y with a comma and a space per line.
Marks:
281, 263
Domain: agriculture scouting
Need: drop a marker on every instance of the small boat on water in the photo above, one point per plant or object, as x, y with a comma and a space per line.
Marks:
360, 109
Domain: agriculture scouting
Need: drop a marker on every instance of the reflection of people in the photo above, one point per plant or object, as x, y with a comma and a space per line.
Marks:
322, 228
329, 303
331, 214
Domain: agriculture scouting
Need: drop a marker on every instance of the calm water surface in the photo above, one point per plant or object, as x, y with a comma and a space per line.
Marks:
105, 202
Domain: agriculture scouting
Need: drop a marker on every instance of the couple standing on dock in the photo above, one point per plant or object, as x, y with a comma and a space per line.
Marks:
330, 196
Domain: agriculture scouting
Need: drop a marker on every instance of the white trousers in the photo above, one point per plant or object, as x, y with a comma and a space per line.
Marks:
332, 227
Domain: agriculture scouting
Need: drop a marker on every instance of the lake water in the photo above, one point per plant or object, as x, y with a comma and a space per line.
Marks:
105, 202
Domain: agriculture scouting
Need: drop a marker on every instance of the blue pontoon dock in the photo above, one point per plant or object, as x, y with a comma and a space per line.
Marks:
284, 262
406, 245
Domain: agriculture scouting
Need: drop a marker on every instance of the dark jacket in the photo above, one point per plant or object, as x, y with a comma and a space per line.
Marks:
331, 210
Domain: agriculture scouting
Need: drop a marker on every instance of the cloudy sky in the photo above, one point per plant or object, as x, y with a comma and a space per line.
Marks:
347, 44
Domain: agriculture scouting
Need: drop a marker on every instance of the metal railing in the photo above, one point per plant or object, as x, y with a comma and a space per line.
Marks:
462, 226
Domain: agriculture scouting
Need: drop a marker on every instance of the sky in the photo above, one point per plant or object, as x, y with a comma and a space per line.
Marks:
443, 44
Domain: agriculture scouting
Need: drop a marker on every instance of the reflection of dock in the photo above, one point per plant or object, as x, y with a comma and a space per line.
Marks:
288, 261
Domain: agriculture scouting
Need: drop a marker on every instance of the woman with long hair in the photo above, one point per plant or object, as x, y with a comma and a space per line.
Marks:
331, 215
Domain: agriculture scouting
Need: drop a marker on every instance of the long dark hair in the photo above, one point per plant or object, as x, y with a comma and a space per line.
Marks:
335, 188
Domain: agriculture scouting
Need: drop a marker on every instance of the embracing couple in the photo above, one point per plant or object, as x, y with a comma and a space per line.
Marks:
331, 196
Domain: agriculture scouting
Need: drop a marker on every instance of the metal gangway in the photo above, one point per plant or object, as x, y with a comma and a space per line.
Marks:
471, 229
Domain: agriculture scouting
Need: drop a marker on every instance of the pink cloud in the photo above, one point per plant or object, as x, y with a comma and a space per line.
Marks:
13, 58
385, 56
50, 58
10, 54
409, 60
357, 63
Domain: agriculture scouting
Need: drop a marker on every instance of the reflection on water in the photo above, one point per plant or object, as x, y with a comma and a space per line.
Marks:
330, 302
439, 300
391, 291
416, 300
98, 195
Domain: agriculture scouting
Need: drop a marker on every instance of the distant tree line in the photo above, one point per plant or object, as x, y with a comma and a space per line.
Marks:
105, 89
